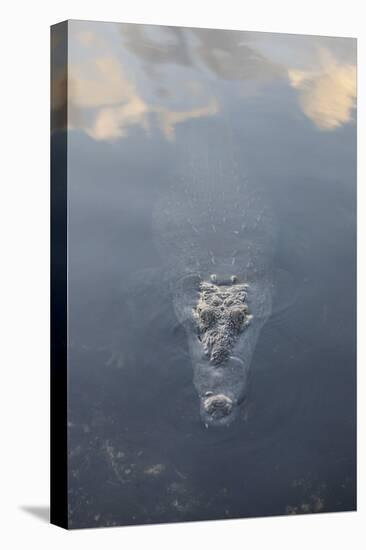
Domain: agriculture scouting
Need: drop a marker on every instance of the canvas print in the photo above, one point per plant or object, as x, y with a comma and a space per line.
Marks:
203, 274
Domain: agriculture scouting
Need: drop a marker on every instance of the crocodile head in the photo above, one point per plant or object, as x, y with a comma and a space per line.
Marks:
221, 315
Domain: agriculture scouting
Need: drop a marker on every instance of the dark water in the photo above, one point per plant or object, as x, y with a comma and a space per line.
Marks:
138, 450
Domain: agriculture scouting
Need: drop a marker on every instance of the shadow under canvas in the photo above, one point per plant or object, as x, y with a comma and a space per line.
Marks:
40, 512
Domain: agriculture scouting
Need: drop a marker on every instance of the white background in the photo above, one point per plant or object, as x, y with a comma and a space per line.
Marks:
24, 304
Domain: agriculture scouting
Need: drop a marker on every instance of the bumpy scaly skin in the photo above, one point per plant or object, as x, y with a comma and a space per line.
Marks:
221, 315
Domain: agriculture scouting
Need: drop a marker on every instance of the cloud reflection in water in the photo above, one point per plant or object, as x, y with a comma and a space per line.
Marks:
156, 78
327, 97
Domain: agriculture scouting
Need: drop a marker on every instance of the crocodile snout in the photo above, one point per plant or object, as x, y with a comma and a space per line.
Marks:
217, 409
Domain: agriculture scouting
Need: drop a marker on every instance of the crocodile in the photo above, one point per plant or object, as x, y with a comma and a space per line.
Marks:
214, 233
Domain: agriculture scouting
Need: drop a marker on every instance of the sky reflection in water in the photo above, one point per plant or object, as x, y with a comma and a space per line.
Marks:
157, 78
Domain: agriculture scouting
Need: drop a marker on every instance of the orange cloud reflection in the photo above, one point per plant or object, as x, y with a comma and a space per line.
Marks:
327, 97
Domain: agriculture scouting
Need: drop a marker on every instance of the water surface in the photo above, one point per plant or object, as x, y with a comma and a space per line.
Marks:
141, 100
